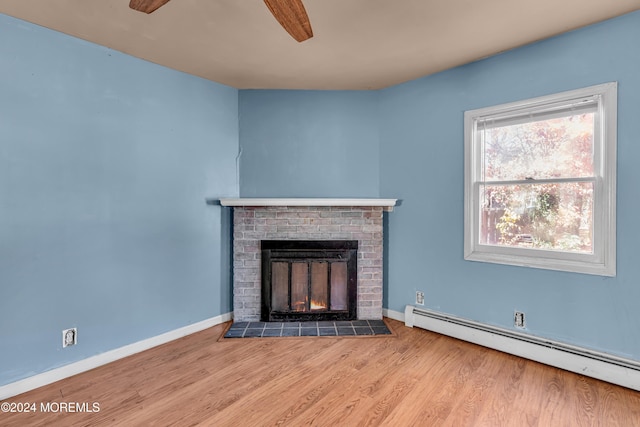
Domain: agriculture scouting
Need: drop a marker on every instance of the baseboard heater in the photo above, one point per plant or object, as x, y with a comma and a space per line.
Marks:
603, 366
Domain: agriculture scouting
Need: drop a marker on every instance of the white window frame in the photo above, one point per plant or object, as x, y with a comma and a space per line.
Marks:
603, 259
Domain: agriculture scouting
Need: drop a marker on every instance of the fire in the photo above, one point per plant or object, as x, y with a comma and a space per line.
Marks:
314, 305
299, 306
318, 305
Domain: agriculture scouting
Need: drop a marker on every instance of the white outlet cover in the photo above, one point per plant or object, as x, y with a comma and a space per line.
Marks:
519, 319
69, 337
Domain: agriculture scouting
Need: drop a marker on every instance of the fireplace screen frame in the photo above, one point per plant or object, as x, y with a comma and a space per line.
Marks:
309, 251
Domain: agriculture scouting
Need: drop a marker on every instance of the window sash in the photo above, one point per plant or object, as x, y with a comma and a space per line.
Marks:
485, 123
596, 198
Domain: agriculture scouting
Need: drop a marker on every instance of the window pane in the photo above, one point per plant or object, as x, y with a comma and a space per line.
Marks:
538, 216
553, 148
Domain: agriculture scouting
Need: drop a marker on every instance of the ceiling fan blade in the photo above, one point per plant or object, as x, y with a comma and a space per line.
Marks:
147, 6
292, 16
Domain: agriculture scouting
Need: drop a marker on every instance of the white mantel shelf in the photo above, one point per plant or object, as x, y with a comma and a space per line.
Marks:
387, 204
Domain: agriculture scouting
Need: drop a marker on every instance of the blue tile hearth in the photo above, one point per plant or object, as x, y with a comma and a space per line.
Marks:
307, 329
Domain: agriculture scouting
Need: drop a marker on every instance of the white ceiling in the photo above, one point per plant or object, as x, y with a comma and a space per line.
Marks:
357, 44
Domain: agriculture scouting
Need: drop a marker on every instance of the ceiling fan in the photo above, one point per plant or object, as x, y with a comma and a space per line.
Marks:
289, 13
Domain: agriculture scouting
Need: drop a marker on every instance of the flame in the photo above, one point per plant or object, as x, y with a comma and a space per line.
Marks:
318, 305
302, 305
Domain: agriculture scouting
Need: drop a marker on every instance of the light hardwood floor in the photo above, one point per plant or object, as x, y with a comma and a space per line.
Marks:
414, 378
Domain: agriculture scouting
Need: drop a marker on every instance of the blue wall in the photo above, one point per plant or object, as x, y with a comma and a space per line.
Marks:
105, 164
422, 152
309, 143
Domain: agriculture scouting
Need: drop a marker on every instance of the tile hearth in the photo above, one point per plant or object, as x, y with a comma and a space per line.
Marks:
307, 329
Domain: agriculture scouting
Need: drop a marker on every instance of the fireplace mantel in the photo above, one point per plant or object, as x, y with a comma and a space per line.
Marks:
386, 204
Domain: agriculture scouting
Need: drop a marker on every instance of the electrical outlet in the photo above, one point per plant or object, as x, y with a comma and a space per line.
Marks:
518, 319
69, 337
419, 297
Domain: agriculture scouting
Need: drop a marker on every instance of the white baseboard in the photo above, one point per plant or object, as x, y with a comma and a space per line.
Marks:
80, 366
583, 361
392, 314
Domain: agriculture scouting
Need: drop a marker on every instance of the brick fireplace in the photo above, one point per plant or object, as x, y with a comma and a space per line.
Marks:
257, 220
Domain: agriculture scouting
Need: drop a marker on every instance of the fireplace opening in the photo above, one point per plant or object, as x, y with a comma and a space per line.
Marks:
304, 280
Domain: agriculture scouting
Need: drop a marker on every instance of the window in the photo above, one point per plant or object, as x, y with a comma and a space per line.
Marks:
540, 182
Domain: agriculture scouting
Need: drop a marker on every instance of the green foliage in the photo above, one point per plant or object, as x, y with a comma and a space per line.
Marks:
546, 206
509, 228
